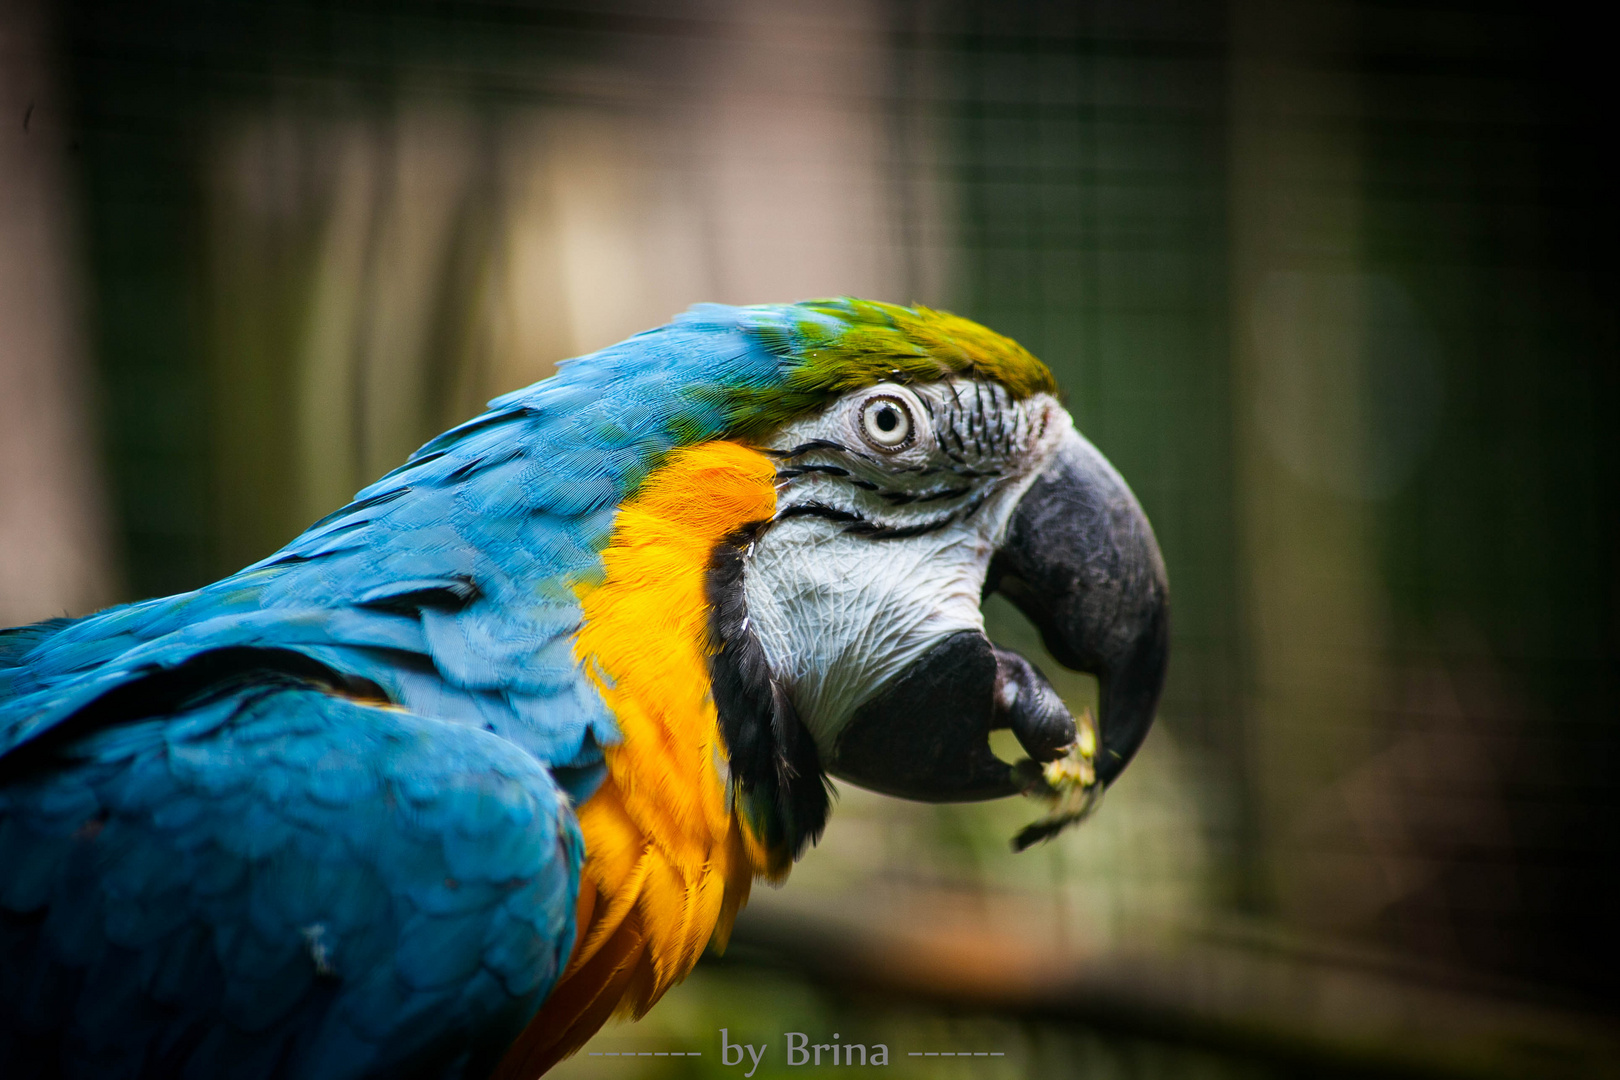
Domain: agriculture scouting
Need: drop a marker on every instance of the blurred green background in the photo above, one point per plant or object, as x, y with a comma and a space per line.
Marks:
1331, 283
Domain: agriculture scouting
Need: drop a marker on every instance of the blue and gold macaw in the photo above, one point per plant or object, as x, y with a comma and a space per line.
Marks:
497, 749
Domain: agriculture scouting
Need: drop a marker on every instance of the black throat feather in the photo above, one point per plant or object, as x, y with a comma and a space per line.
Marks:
774, 765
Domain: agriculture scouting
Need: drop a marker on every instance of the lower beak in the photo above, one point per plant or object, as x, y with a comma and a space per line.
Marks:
1081, 562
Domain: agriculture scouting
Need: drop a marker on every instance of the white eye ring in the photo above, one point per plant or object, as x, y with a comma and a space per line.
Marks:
887, 423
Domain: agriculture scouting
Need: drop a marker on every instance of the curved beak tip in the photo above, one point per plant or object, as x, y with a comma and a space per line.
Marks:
1081, 562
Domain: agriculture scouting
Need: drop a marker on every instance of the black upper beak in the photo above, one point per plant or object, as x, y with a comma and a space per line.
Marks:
1080, 561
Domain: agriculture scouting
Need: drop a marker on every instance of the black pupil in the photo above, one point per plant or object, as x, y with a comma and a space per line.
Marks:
887, 418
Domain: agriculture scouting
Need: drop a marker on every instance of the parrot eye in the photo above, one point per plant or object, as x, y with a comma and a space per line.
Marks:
886, 423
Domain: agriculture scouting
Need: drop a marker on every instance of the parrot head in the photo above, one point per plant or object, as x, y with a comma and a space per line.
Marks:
921, 463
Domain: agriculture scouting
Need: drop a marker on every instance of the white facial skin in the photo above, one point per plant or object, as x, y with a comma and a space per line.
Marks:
890, 504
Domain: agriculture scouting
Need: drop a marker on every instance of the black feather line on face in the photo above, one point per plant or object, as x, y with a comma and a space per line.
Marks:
814, 445
820, 510
874, 531
856, 525
773, 758
797, 471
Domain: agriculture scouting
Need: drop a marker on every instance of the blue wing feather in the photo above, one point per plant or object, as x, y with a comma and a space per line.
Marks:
325, 886
216, 865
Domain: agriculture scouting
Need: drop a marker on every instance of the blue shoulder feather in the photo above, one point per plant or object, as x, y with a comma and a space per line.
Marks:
449, 583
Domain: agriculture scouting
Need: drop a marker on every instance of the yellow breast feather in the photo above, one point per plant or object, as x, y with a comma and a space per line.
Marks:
668, 864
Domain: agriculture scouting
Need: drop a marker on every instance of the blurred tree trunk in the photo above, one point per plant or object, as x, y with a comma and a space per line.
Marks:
53, 552
380, 268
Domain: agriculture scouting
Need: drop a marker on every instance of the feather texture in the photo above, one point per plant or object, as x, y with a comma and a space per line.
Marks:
670, 863
278, 880
349, 811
